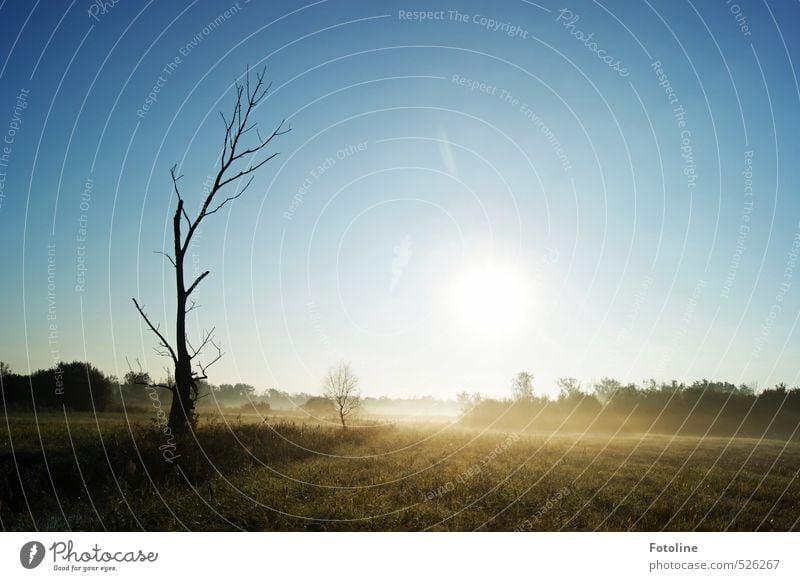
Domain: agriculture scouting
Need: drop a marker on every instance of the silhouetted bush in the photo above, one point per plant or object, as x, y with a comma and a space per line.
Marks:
76, 385
319, 406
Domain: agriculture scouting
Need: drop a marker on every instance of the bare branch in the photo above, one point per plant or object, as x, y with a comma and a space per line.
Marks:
141, 374
155, 330
236, 126
208, 338
172, 260
130, 368
178, 192
196, 282
225, 201
203, 374
231, 198
175, 179
161, 351
263, 142
189, 345
228, 129
245, 172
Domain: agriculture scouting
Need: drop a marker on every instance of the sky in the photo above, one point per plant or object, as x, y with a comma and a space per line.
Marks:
588, 190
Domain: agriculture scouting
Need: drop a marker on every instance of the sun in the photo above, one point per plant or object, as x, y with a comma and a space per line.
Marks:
490, 299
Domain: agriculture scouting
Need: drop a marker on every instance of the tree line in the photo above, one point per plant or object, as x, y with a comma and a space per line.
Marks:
703, 407
80, 386
75, 385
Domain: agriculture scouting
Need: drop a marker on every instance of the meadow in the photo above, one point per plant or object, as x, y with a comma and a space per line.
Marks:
114, 471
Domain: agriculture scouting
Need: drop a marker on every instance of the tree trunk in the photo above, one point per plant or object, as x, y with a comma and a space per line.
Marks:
182, 409
184, 391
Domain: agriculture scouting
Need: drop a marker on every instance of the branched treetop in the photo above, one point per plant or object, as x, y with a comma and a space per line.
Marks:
235, 128
234, 155
341, 387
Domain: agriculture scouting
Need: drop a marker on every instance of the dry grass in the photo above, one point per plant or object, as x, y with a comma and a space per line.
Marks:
241, 472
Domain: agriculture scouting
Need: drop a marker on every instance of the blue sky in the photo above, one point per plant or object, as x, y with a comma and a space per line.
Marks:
489, 140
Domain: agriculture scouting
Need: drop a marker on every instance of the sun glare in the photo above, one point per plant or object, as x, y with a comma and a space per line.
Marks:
490, 300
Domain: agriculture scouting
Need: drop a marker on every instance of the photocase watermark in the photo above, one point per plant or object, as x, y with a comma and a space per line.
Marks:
100, 8
318, 171
31, 554
543, 128
783, 290
67, 558
210, 27
568, 20
197, 239
523, 108
473, 470
679, 113
152, 96
402, 256
81, 235
474, 85
744, 226
490, 24
683, 328
665, 83
169, 69
552, 501
319, 329
626, 330
52, 321
450, 485
169, 447
10, 136
739, 17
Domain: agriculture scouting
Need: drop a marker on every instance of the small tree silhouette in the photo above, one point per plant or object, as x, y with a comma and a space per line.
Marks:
569, 388
606, 389
341, 387
522, 386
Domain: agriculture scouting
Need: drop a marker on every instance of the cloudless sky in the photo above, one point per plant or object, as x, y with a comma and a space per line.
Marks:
493, 133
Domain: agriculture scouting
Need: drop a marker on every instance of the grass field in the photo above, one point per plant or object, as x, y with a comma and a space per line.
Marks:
241, 472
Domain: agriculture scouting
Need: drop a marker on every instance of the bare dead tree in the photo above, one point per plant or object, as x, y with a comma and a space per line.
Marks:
341, 387
237, 161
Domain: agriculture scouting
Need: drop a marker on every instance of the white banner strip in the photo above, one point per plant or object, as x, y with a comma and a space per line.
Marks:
389, 556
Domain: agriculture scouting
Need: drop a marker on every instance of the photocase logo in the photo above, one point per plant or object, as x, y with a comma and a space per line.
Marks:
31, 554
